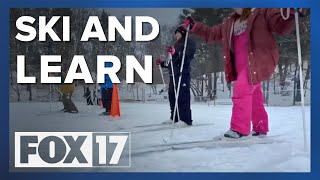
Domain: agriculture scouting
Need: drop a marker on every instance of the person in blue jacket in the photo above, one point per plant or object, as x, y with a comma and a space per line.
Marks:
184, 95
106, 92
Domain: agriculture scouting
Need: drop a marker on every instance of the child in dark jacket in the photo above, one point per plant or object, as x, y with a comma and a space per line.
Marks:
184, 110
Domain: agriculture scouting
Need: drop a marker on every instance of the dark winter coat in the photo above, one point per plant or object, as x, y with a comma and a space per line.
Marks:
177, 57
107, 81
263, 50
87, 93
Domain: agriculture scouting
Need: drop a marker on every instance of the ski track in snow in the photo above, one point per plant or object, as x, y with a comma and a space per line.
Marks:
142, 120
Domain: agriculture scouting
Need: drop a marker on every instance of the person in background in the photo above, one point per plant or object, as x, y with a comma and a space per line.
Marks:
87, 95
94, 93
67, 90
106, 92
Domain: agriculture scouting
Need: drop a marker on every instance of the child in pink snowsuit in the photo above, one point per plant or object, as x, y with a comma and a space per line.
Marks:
250, 56
247, 98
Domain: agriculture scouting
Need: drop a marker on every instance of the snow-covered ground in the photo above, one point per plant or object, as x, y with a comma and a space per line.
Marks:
285, 153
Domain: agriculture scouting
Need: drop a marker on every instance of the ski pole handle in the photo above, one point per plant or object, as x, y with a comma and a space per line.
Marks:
170, 56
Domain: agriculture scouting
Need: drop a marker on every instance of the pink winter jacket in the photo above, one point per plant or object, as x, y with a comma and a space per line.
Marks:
263, 53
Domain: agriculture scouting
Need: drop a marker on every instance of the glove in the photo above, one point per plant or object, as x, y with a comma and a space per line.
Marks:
189, 21
170, 50
159, 61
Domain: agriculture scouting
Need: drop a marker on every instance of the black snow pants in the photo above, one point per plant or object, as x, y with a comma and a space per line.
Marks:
183, 100
68, 105
106, 96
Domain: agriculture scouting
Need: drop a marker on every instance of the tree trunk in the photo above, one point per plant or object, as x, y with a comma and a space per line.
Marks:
29, 88
267, 93
30, 91
222, 81
290, 67
201, 85
294, 89
137, 92
193, 91
17, 90
18, 97
280, 74
229, 85
298, 94
307, 77
264, 91
209, 84
295, 85
215, 79
283, 75
132, 90
274, 84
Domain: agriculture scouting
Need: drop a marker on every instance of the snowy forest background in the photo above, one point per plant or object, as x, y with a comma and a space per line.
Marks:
208, 81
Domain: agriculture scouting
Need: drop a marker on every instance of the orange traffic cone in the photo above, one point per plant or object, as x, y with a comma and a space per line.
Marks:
115, 105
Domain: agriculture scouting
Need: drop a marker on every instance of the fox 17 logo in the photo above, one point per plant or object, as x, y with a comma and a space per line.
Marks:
72, 149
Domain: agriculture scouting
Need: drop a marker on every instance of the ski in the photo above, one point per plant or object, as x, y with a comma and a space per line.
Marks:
148, 125
216, 142
160, 127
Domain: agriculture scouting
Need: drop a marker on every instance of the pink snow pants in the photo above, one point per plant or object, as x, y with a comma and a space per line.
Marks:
247, 98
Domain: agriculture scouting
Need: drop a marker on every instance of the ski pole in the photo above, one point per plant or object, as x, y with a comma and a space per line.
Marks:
181, 69
59, 91
175, 90
88, 97
296, 14
162, 76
